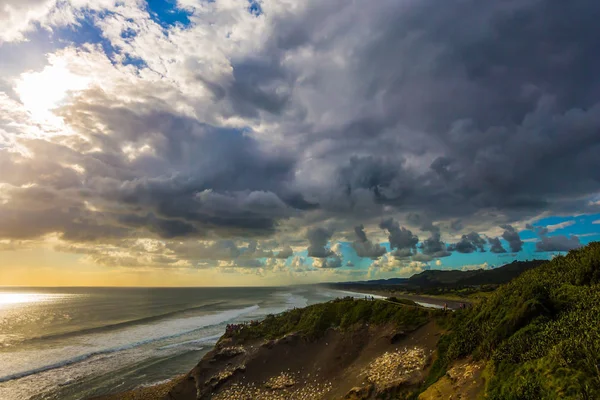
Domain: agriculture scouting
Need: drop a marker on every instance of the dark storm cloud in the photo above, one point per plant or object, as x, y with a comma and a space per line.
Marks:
197, 179
254, 250
286, 252
469, 243
512, 237
496, 246
217, 250
425, 224
485, 94
400, 238
255, 87
318, 239
364, 247
456, 225
434, 247
368, 173
557, 243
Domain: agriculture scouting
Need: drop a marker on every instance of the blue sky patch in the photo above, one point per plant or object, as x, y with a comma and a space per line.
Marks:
86, 32
255, 8
167, 14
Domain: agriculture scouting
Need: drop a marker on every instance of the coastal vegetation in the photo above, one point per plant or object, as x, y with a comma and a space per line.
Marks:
311, 322
539, 334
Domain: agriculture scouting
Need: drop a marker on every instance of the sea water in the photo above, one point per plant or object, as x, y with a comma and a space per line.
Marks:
76, 343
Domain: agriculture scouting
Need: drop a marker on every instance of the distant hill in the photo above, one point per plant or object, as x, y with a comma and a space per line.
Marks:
390, 281
495, 276
447, 278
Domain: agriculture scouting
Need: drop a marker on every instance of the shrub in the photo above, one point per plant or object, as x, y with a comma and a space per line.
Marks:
541, 331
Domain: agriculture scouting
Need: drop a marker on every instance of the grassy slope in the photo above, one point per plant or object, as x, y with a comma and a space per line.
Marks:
312, 322
541, 332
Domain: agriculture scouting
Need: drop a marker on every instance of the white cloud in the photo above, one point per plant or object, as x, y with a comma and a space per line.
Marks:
20, 17
473, 267
562, 225
587, 234
389, 264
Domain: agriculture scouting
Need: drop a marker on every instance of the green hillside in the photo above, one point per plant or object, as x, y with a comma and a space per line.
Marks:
540, 332
311, 322
444, 281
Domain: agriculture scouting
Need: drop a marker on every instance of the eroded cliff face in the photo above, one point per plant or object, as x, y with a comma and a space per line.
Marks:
463, 381
364, 362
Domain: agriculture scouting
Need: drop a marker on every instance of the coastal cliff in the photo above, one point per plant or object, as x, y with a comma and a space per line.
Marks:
354, 349
536, 337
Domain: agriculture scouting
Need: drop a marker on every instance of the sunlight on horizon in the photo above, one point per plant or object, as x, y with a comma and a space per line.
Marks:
24, 298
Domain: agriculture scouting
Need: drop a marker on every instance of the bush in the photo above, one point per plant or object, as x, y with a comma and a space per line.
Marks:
541, 332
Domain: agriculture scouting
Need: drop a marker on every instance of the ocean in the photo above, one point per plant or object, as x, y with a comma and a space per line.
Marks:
76, 343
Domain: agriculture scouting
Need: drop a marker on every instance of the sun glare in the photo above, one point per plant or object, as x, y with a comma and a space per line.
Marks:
20, 298
42, 92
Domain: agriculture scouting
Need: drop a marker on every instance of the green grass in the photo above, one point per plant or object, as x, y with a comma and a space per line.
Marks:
313, 321
540, 332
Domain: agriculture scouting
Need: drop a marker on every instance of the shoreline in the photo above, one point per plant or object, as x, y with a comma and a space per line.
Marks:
161, 389
151, 392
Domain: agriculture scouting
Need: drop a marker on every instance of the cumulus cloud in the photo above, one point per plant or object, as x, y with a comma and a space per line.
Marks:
421, 257
284, 253
469, 243
434, 247
474, 267
496, 245
299, 264
390, 264
318, 240
364, 247
276, 265
557, 243
400, 238
512, 237
332, 262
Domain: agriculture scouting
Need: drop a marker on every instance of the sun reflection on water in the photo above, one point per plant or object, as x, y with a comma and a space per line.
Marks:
24, 298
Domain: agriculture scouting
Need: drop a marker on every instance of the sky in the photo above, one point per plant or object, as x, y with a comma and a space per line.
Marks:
236, 142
